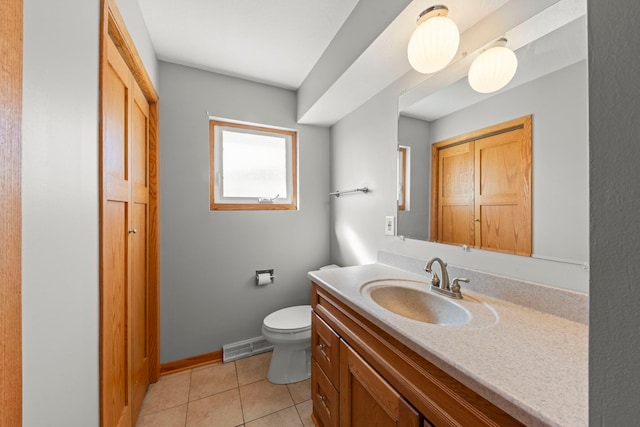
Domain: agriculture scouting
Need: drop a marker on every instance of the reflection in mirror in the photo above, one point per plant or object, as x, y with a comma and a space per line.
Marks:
550, 85
413, 220
404, 183
481, 188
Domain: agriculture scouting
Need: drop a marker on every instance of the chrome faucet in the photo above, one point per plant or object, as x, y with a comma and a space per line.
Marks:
444, 287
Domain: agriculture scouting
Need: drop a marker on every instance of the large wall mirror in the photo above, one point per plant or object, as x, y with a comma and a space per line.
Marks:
551, 86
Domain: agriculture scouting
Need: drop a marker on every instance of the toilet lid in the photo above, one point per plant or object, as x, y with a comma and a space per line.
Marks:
298, 317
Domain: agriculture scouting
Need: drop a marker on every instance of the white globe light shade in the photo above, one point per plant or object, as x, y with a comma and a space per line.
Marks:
433, 44
493, 69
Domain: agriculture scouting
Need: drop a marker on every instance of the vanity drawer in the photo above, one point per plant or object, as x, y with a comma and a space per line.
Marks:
325, 348
326, 400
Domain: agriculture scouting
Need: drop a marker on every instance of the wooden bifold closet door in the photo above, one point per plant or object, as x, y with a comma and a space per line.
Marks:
481, 189
125, 213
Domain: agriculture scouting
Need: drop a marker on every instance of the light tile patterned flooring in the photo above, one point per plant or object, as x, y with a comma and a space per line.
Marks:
231, 394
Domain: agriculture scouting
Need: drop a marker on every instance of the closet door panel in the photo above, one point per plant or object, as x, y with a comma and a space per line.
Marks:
139, 244
139, 309
456, 225
115, 314
116, 255
456, 192
499, 232
115, 151
502, 202
139, 146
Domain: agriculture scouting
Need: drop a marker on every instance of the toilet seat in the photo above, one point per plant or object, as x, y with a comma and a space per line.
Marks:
289, 320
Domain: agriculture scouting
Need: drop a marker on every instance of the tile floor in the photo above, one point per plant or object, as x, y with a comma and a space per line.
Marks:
231, 394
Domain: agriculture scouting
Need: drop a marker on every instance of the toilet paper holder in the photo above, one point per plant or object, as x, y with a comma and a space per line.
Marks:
261, 274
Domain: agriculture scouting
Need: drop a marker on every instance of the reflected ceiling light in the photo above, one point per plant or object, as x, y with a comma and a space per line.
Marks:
435, 42
493, 69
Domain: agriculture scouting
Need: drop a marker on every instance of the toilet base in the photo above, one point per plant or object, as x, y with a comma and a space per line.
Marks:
289, 365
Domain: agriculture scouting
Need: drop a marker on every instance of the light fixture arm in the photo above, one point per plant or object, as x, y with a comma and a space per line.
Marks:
502, 42
433, 11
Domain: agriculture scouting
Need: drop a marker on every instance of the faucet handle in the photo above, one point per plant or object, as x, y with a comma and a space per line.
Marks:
435, 280
455, 286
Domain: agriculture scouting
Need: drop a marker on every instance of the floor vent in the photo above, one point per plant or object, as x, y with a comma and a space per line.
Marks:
246, 348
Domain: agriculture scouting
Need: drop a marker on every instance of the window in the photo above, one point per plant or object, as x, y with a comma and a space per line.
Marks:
252, 167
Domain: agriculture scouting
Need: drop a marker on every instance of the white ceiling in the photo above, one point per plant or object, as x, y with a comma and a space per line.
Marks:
278, 42
270, 41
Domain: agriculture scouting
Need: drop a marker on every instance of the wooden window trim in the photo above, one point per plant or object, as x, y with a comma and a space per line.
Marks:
403, 173
525, 123
214, 205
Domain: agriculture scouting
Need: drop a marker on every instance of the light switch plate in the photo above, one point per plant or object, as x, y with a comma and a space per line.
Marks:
390, 226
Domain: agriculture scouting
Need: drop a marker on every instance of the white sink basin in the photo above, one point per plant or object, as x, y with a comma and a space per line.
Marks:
413, 300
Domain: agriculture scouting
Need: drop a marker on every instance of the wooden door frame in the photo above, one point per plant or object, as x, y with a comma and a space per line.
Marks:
11, 51
112, 26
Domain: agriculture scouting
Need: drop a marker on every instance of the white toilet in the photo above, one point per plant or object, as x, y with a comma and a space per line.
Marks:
289, 330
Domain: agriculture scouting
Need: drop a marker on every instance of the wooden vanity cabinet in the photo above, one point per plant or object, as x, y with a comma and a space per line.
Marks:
346, 391
325, 370
366, 399
363, 376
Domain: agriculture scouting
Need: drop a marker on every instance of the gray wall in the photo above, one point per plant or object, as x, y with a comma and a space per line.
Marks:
614, 152
414, 221
209, 258
363, 153
60, 211
132, 15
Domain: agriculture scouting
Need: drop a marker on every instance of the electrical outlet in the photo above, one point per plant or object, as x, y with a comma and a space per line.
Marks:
390, 226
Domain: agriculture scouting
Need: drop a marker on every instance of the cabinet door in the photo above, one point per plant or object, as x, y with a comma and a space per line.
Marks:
366, 399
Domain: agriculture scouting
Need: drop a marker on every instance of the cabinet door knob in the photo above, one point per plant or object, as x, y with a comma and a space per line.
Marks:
323, 347
133, 231
323, 398
476, 220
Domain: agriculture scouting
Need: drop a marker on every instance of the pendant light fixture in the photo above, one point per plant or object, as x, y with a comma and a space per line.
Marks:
493, 69
435, 42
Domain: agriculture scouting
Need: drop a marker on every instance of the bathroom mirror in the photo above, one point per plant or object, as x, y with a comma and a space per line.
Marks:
551, 85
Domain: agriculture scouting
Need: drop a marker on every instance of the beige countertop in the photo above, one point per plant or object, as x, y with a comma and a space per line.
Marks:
531, 364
